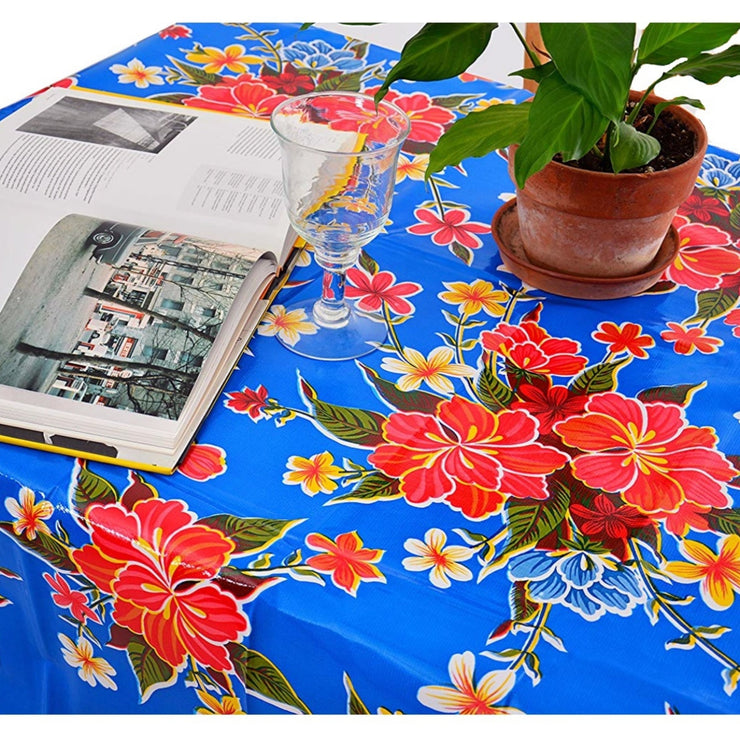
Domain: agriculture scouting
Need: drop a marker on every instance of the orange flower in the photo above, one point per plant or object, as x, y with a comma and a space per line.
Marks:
213, 705
688, 340
345, 558
28, 514
624, 338
313, 474
719, 573
233, 57
474, 297
288, 325
92, 670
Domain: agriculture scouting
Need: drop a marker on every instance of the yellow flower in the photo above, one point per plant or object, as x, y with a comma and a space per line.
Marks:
414, 168
719, 573
465, 696
28, 514
444, 562
225, 705
474, 297
137, 73
233, 57
483, 104
433, 369
313, 474
288, 325
92, 670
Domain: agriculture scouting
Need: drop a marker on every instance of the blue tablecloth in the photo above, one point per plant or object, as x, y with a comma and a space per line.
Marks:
523, 503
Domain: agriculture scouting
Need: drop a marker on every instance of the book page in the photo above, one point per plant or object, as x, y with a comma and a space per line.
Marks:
117, 316
193, 171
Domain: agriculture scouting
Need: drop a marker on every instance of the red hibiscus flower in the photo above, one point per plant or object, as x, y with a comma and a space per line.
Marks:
704, 257
203, 462
529, 347
348, 562
648, 453
247, 401
289, 80
158, 564
66, 598
733, 319
624, 338
604, 519
549, 404
466, 455
688, 516
381, 288
175, 31
453, 226
428, 121
702, 208
242, 95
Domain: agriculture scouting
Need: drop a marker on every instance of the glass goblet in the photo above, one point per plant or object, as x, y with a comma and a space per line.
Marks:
339, 155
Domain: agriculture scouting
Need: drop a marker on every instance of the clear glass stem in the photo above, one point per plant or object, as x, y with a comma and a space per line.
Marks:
331, 311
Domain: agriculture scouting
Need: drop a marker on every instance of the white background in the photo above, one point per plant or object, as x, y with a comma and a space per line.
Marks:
43, 42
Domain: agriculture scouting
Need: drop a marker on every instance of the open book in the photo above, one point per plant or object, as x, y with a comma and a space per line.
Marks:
139, 245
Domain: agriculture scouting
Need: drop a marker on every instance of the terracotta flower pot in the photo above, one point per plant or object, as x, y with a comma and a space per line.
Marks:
601, 224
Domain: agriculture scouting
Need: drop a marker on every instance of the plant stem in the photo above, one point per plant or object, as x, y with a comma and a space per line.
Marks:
675, 618
392, 332
527, 50
533, 638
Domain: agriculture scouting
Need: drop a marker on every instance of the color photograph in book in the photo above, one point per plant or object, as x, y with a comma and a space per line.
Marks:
118, 315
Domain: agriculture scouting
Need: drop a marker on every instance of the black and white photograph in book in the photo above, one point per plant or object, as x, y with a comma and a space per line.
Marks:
118, 315
109, 124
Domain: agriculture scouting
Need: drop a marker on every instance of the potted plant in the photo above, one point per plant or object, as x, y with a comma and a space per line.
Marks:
599, 168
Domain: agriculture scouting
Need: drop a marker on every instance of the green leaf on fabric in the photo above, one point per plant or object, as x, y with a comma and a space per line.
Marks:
596, 59
262, 678
46, 546
597, 378
480, 133
493, 393
250, 534
529, 521
347, 424
561, 120
90, 488
664, 43
726, 521
630, 148
680, 394
709, 68
390, 393
710, 304
439, 51
355, 705
151, 671
374, 487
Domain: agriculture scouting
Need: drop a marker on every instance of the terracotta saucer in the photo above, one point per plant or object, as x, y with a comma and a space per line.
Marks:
505, 228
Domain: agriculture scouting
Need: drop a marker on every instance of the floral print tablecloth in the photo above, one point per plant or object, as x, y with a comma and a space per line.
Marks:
519, 503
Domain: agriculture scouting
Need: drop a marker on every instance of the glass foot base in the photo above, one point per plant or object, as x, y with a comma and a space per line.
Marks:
352, 340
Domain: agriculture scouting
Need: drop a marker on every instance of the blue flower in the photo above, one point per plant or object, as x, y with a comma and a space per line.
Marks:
588, 583
320, 56
719, 173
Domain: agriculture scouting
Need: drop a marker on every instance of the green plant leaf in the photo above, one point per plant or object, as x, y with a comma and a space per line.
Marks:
262, 678
352, 425
355, 705
389, 392
480, 133
596, 59
597, 378
561, 120
494, 394
374, 487
535, 73
150, 670
439, 51
680, 394
46, 546
711, 304
250, 534
529, 522
90, 488
709, 68
630, 148
664, 43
